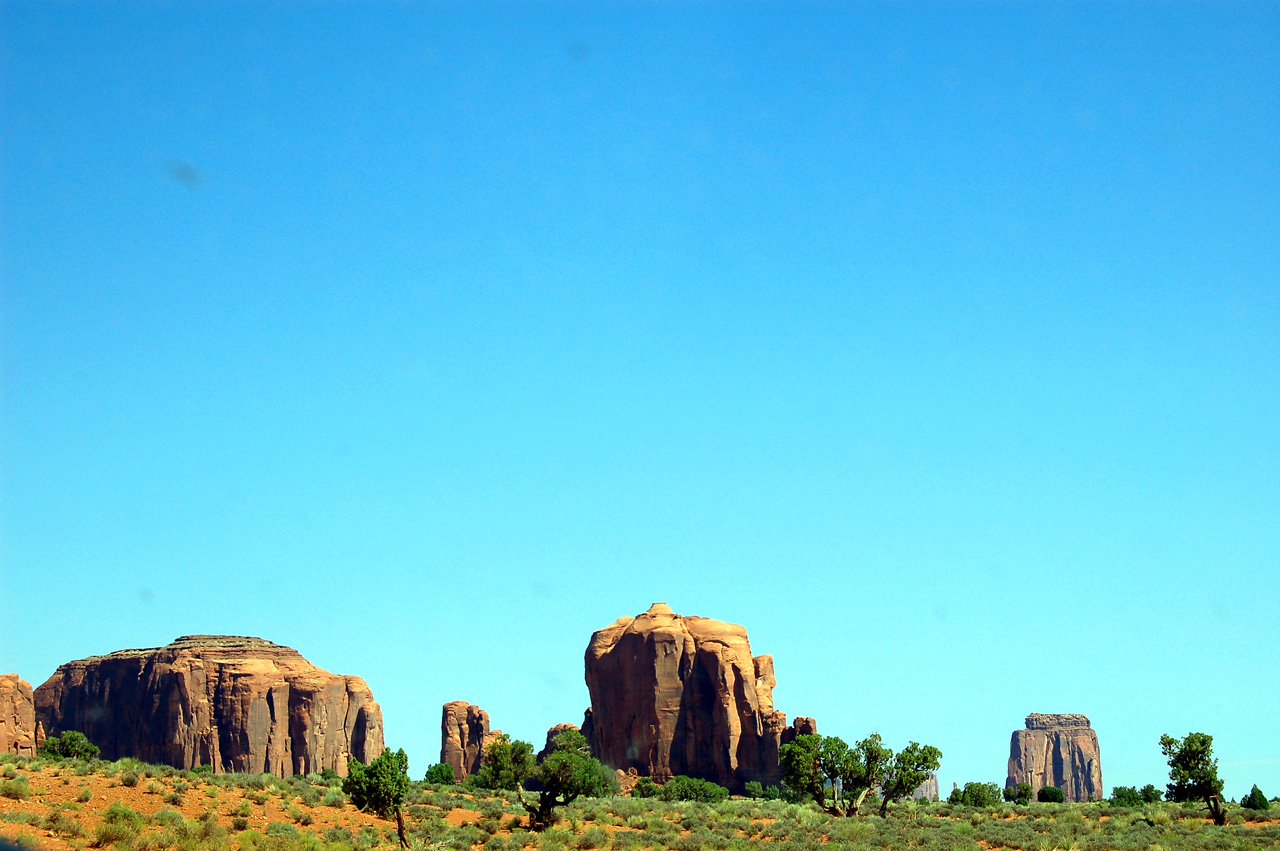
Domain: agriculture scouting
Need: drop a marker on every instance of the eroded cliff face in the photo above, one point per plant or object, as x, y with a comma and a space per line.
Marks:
683, 695
19, 732
464, 734
231, 702
1057, 750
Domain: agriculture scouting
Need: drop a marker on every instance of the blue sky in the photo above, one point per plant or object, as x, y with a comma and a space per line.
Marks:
937, 344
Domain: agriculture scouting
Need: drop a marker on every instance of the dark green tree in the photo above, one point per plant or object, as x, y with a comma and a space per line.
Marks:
506, 765
1255, 800
440, 774
1019, 793
977, 795
836, 776
799, 761
380, 786
909, 768
1193, 772
1150, 794
1051, 795
1126, 796
71, 745
565, 774
682, 788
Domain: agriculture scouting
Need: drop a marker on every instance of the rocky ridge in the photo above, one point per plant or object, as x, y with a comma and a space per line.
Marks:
235, 703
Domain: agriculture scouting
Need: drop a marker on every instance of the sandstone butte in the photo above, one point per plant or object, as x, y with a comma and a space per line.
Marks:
1057, 750
683, 695
464, 734
555, 730
232, 702
19, 732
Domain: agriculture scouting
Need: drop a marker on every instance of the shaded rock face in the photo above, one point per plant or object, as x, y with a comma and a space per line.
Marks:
231, 702
1057, 750
19, 732
683, 695
464, 734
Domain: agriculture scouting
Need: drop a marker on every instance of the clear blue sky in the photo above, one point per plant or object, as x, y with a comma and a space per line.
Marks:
939, 345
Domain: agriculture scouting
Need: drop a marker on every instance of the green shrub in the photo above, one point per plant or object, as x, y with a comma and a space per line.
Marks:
593, 837
334, 798
109, 833
16, 789
440, 774
646, 788
682, 788
129, 779
281, 828
58, 822
1051, 795
70, 745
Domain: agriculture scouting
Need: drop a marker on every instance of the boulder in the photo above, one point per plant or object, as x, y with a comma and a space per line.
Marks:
1057, 750
231, 702
682, 695
464, 734
19, 732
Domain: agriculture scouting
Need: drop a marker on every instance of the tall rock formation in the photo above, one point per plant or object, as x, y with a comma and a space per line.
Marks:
232, 702
928, 790
551, 735
19, 732
464, 734
1057, 750
683, 695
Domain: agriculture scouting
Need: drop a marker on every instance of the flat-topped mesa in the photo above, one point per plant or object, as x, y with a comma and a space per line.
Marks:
19, 732
235, 703
1057, 750
683, 695
464, 734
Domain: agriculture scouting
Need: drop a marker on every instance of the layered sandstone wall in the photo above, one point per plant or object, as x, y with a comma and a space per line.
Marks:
232, 702
19, 732
683, 695
1057, 750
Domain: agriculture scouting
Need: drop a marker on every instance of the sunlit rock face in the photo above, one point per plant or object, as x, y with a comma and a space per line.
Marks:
464, 734
1057, 750
19, 733
683, 695
231, 702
